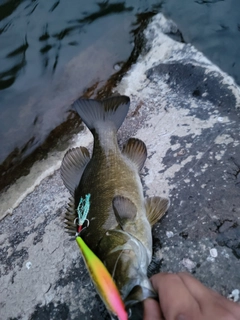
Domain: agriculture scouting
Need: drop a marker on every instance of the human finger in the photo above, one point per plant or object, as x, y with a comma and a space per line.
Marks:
197, 289
214, 300
175, 299
151, 310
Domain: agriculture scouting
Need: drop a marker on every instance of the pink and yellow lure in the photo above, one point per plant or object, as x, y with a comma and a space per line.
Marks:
103, 281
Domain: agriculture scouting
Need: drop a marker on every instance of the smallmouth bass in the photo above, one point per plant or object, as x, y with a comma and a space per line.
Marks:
119, 219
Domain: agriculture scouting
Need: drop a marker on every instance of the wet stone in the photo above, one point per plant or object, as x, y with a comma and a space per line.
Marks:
231, 239
192, 80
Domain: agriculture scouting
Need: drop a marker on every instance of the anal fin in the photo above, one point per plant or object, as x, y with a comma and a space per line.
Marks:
156, 208
72, 167
136, 151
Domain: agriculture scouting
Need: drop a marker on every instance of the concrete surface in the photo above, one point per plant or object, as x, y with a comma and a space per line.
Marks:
187, 112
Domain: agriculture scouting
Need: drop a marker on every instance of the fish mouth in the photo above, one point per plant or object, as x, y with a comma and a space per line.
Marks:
138, 294
134, 301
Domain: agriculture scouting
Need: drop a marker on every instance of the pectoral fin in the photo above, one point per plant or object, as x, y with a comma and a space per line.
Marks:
156, 208
124, 210
73, 165
136, 151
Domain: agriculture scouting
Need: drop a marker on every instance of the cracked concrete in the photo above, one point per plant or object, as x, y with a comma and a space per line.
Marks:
186, 110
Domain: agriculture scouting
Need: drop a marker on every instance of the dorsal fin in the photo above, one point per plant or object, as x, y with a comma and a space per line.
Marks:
124, 210
156, 208
72, 167
112, 110
135, 150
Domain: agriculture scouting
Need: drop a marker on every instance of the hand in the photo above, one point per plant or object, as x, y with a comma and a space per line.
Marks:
182, 297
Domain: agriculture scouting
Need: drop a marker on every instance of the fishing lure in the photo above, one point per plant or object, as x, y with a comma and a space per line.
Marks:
103, 281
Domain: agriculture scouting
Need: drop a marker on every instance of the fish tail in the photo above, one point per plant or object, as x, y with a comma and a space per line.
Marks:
113, 110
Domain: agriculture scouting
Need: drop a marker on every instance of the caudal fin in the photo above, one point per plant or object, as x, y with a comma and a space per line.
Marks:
112, 110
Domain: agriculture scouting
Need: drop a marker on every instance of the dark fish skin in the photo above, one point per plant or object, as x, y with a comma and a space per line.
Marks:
109, 174
120, 219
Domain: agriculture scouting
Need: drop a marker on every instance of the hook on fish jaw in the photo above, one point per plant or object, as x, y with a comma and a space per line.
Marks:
82, 212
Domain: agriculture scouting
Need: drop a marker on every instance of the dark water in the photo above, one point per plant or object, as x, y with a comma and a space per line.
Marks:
213, 27
52, 51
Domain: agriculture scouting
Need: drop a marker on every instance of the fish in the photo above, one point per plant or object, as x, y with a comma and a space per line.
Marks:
107, 205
